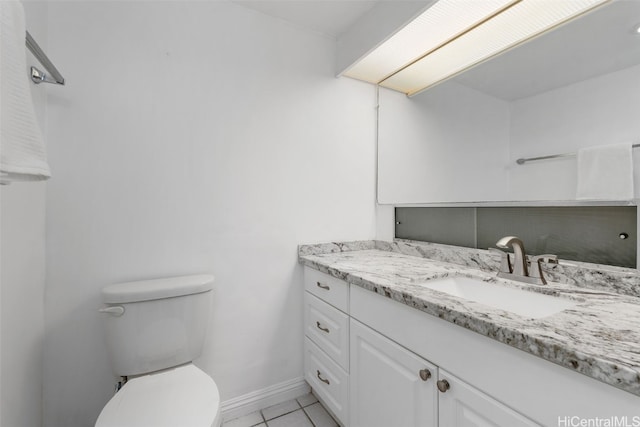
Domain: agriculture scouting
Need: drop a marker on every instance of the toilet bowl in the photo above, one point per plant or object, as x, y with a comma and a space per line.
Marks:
178, 397
155, 329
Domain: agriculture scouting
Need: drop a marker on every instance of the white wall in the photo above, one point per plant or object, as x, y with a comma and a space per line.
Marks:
448, 144
195, 137
22, 274
598, 111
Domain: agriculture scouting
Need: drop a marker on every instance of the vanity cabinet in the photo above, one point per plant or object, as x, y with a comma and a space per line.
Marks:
382, 361
367, 380
488, 378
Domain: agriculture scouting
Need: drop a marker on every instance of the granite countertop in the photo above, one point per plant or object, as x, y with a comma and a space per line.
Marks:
599, 337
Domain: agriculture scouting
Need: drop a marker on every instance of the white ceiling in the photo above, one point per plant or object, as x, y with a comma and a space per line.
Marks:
598, 43
330, 17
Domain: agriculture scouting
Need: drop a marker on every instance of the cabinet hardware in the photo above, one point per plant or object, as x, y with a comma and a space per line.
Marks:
323, 329
322, 286
322, 379
425, 374
443, 385
114, 310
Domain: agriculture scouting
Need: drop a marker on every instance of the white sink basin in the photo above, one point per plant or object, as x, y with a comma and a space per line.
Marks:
518, 301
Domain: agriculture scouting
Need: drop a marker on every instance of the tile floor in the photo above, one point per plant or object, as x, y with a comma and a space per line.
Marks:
305, 411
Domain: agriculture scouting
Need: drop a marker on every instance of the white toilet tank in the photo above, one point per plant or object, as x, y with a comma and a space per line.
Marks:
156, 324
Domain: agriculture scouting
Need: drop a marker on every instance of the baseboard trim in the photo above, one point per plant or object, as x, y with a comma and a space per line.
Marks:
260, 399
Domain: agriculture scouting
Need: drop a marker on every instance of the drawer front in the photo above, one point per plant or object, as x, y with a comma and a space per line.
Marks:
329, 382
328, 328
327, 288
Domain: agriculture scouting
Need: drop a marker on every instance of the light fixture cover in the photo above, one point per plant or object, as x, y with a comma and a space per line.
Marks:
443, 21
454, 35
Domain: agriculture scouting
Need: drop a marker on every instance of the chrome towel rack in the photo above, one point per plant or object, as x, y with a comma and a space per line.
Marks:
38, 76
522, 161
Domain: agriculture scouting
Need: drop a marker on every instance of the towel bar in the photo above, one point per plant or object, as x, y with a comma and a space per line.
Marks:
553, 156
38, 76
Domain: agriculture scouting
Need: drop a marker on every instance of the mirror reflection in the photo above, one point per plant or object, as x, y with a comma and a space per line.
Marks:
577, 86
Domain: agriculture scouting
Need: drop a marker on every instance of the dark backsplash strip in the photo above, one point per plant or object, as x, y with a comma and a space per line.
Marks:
580, 233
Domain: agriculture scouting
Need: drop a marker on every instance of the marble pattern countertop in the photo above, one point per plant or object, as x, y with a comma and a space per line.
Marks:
599, 337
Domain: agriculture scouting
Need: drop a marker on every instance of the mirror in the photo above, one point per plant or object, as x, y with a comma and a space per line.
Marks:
577, 86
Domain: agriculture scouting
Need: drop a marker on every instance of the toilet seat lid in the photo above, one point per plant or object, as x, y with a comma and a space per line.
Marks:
183, 396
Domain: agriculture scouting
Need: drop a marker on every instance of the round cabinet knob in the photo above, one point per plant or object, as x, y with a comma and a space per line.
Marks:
425, 374
443, 385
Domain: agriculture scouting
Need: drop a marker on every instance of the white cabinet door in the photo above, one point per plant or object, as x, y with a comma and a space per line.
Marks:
389, 385
462, 405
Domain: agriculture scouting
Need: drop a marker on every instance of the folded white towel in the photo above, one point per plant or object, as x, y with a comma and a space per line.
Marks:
605, 172
22, 153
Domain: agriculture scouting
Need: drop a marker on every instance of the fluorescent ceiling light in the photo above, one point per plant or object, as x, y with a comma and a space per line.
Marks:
450, 41
443, 21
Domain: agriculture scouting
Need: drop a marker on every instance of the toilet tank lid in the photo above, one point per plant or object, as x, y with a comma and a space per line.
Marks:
146, 290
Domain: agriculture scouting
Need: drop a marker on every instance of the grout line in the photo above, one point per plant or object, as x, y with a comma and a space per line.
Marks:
288, 413
304, 406
300, 408
282, 415
308, 417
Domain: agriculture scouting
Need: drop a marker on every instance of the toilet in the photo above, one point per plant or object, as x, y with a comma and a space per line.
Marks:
154, 331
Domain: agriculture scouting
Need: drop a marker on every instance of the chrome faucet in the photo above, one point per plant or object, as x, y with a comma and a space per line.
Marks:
519, 270
520, 258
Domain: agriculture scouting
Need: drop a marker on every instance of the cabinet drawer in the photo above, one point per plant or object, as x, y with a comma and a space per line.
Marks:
328, 328
329, 382
327, 288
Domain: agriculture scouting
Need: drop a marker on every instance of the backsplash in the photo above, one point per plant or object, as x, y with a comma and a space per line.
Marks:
606, 278
594, 234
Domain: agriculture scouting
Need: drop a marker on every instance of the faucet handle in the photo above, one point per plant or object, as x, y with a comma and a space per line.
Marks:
546, 258
505, 260
536, 265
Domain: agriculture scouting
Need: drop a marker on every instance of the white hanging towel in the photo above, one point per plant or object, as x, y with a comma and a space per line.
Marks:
605, 172
22, 153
